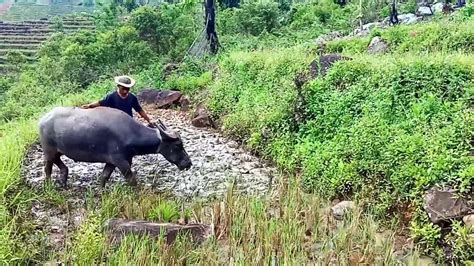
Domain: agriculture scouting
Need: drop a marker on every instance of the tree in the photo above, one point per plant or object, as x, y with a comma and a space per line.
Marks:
211, 34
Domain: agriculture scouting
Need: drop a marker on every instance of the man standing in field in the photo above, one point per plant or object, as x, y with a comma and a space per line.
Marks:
122, 99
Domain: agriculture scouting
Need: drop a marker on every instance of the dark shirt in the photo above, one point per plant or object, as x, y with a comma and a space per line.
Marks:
114, 100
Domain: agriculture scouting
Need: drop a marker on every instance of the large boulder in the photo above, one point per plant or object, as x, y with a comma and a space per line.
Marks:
167, 98
445, 205
320, 66
342, 208
408, 19
201, 117
437, 8
117, 229
162, 99
365, 29
469, 220
148, 95
322, 40
377, 46
424, 11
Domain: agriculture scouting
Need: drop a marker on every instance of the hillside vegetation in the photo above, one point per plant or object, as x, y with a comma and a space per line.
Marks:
377, 129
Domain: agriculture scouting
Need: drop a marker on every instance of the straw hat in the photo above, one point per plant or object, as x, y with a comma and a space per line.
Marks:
125, 81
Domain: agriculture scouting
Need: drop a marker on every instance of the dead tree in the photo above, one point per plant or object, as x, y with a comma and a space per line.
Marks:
211, 34
393, 14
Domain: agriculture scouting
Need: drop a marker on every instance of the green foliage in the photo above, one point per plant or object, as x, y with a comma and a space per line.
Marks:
89, 242
6, 82
170, 29
189, 84
107, 18
251, 18
57, 24
468, 10
84, 57
409, 6
448, 36
319, 16
462, 242
165, 211
402, 128
16, 58
255, 90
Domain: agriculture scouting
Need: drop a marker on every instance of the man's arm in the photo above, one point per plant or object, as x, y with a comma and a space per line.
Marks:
104, 102
91, 105
139, 109
145, 116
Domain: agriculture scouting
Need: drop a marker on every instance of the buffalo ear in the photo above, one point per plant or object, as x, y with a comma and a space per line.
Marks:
170, 134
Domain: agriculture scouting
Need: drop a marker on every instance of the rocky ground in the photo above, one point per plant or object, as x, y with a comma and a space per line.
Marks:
217, 162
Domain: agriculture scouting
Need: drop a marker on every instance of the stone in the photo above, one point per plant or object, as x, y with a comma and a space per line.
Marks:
437, 8
424, 11
162, 99
167, 98
169, 68
323, 64
371, 26
469, 220
377, 46
184, 103
408, 19
444, 205
342, 208
322, 40
118, 228
201, 118
147, 95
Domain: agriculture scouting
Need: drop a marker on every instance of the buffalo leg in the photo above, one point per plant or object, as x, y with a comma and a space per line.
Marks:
48, 169
124, 167
108, 169
63, 171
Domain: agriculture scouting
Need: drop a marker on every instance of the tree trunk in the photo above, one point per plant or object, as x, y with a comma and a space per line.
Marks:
211, 26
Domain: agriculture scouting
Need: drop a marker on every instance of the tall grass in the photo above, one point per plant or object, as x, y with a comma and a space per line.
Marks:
288, 227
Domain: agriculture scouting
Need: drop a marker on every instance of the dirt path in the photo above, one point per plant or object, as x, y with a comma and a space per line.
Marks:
216, 162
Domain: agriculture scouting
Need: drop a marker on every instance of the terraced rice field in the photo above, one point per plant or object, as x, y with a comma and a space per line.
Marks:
25, 37
28, 11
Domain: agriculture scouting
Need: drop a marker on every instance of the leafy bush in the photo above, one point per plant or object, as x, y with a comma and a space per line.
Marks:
455, 35
319, 16
255, 90
408, 7
84, 57
251, 18
402, 128
89, 241
170, 29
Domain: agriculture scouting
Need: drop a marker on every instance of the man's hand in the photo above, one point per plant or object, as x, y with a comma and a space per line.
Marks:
152, 125
91, 105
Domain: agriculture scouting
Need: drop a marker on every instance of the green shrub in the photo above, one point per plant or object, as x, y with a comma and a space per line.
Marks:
165, 211
402, 127
256, 91
319, 16
89, 242
445, 36
251, 18
170, 29
85, 57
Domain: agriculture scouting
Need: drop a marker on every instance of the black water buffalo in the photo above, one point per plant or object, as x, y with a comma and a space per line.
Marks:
104, 135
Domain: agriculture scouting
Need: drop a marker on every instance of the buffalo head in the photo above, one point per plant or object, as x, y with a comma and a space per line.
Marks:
172, 147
